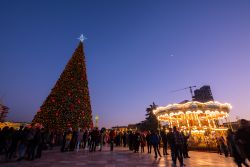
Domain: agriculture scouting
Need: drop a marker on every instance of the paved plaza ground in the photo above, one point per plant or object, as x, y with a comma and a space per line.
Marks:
120, 157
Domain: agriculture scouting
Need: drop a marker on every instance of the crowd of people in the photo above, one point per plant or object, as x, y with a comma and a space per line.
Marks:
237, 144
135, 141
28, 142
25, 143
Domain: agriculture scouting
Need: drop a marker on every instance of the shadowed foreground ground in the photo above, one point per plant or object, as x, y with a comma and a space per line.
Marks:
120, 157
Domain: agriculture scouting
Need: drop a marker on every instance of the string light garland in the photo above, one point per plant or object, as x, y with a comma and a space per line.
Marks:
68, 104
194, 114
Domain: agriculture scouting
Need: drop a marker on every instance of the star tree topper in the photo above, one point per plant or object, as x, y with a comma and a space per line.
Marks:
82, 38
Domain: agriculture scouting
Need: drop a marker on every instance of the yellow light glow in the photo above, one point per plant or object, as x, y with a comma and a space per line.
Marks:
194, 115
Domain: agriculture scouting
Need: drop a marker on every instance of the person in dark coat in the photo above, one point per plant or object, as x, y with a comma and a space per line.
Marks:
22, 144
63, 142
239, 158
85, 138
7, 140
124, 139
165, 142
41, 144
1, 141
170, 137
35, 143
137, 139
155, 141
185, 144
73, 141
177, 147
223, 146
30, 140
143, 142
242, 138
112, 138
118, 139
94, 139
149, 145
131, 141
101, 138
15, 140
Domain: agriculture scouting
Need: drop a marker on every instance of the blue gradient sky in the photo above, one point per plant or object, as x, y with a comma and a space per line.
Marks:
128, 53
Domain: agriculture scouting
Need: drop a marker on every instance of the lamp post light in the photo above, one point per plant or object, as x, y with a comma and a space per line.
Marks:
96, 120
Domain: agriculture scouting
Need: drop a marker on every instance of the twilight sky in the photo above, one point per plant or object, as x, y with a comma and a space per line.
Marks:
137, 52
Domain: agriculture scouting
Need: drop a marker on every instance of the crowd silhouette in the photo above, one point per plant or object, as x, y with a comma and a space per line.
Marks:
29, 142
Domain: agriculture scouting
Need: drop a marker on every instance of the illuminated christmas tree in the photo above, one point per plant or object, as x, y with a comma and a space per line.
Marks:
68, 104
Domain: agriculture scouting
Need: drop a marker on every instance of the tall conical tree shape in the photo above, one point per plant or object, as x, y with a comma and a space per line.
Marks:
68, 104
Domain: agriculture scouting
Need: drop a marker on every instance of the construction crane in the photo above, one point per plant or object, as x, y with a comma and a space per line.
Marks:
190, 88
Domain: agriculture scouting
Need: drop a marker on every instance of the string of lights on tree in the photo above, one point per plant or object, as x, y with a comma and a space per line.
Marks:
68, 104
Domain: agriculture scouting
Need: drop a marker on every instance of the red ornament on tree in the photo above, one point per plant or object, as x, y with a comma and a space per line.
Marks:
72, 106
92, 125
70, 96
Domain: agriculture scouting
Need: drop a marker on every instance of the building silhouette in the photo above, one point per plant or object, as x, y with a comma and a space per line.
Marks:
204, 94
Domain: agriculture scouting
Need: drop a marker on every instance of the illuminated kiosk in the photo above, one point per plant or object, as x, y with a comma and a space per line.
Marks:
201, 119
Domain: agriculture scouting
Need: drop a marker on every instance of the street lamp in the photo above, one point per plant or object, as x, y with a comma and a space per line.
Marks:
96, 120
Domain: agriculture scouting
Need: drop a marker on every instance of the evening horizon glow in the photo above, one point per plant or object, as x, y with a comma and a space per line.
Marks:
137, 52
